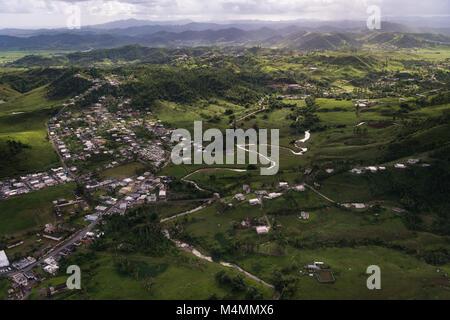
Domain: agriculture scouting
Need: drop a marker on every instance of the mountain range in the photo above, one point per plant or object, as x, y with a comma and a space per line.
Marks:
299, 35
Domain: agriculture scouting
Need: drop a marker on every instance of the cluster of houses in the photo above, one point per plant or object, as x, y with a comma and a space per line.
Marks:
23, 263
96, 131
97, 83
264, 194
322, 272
408, 83
257, 223
374, 169
32, 182
113, 81
364, 103
22, 283
282, 186
24, 280
132, 192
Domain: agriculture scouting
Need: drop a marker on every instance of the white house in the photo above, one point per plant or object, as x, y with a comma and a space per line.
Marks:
262, 230
284, 185
239, 197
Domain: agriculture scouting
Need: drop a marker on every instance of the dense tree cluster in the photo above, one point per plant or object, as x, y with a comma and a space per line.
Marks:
139, 231
68, 85
24, 81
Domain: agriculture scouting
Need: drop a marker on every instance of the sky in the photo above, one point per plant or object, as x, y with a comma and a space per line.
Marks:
67, 13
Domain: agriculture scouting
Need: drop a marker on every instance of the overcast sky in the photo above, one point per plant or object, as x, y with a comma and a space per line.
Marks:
57, 13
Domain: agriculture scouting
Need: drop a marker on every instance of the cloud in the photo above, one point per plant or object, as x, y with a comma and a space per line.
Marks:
97, 11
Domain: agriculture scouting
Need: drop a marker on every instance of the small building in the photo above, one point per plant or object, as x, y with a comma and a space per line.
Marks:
162, 194
413, 161
57, 288
14, 244
273, 195
304, 215
398, 210
239, 197
52, 236
261, 192
399, 166
101, 208
49, 228
51, 268
246, 188
262, 230
91, 217
19, 279
284, 185
254, 201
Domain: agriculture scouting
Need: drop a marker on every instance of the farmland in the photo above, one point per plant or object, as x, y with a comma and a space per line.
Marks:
363, 175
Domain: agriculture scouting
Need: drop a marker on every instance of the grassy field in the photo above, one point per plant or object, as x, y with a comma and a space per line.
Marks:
10, 56
29, 129
29, 101
4, 286
201, 111
6, 93
402, 276
122, 172
173, 277
31, 210
170, 208
23, 119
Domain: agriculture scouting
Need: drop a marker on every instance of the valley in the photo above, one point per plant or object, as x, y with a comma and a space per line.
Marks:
86, 175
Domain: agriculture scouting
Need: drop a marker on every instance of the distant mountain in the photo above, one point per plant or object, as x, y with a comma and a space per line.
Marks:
128, 23
134, 27
392, 35
406, 40
63, 41
305, 40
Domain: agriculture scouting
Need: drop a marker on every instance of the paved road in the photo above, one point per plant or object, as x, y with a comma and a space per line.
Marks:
320, 194
261, 108
207, 169
191, 249
184, 213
